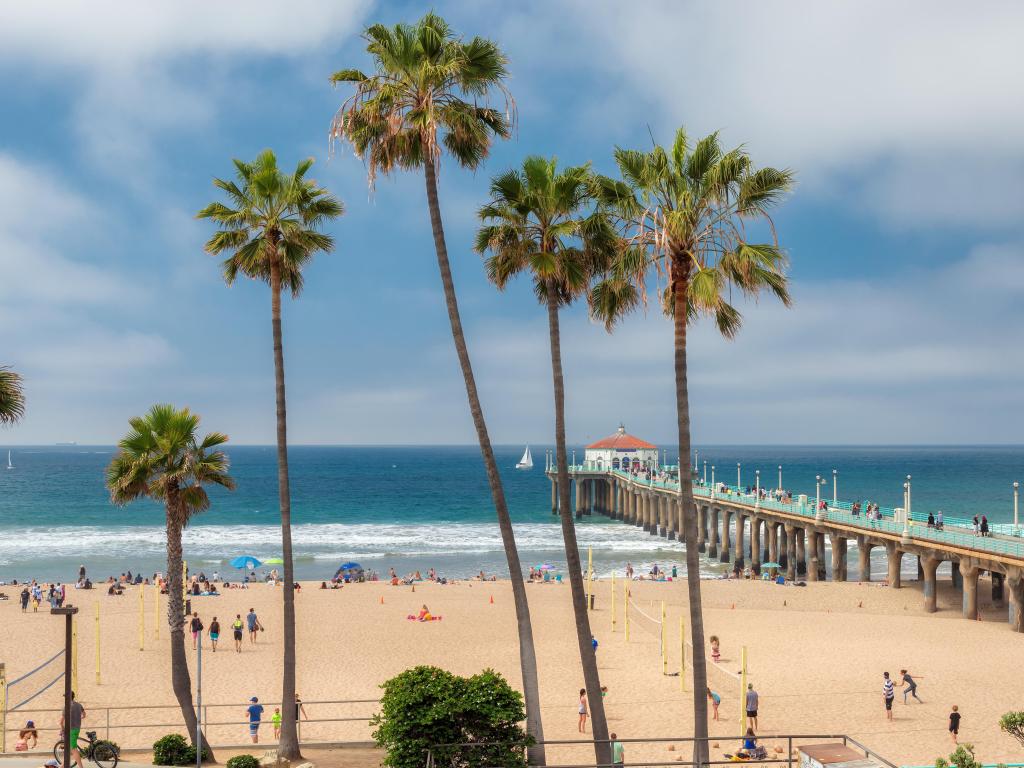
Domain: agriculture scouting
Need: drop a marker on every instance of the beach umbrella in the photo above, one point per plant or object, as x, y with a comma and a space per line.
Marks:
349, 566
545, 567
770, 565
245, 561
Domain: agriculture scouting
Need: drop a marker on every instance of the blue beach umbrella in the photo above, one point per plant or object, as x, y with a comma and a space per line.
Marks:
349, 566
245, 561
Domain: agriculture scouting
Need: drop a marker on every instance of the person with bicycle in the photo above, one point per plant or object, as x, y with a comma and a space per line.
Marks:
77, 715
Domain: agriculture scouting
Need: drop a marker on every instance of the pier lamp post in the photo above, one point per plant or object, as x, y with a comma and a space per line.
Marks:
835, 487
712, 481
574, 459
1016, 524
68, 612
780, 477
737, 476
905, 539
817, 497
695, 455
757, 488
705, 471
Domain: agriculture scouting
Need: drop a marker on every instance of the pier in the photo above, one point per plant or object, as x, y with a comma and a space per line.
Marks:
743, 528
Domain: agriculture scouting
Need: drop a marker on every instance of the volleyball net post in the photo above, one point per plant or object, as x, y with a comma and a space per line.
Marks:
142, 618
664, 645
613, 601
743, 689
96, 619
74, 654
625, 607
682, 654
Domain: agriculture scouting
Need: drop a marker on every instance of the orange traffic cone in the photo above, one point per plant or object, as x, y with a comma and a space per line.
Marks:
382, 599
492, 599
413, 587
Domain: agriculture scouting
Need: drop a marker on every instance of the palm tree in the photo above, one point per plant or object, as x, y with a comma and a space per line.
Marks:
685, 214
271, 234
428, 94
163, 458
12, 398
542, 222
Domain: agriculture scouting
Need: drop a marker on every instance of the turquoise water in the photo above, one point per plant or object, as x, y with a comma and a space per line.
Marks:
417, 507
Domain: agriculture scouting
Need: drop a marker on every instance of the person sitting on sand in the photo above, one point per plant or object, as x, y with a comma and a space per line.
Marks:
749, 744
30, 735
424, 614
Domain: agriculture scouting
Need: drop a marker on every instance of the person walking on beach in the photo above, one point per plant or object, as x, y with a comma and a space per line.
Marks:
911, 688
582, 726
275, 720
254, 625
752, 706
715, 701
24, 599
214, 633
593, 644
255, 714
618, 752
236, 627
954, 724
197, 628
75, 727
300, 710
888, 693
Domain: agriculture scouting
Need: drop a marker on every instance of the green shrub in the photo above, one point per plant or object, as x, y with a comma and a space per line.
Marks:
425, 706
1013, 724
243, 761
174, 749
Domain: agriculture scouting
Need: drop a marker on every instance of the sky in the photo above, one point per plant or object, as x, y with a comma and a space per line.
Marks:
903, 123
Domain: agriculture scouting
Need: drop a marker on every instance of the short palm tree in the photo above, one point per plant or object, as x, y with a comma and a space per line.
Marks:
543, 222
685, 215
12, 396
428, 95
163, 458
271, 229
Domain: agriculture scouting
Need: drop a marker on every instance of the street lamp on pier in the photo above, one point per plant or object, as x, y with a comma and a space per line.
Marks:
905, 539
835, 487
705, 471
819, 513
712, 481
780, 477
757, 488
574, 459
737, 476
695, 455
1016, 524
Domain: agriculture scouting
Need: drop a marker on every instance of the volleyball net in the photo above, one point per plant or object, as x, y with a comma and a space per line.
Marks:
22, 691
648, 620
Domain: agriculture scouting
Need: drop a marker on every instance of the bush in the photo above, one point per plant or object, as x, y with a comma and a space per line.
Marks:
1013, 724
427, 706
963, 757
243, 761
174, 749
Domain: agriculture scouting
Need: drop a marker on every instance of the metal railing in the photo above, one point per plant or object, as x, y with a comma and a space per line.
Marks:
111, 724
955, 532
442, 755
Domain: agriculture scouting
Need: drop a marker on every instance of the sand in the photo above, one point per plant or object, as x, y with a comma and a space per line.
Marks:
815, 655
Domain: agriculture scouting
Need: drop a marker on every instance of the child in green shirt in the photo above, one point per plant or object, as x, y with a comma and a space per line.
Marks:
275, 719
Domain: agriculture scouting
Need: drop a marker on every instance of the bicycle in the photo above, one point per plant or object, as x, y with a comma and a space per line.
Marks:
103, 753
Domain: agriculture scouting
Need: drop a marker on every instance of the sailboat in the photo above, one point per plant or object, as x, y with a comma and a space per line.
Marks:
527, 461
9, 464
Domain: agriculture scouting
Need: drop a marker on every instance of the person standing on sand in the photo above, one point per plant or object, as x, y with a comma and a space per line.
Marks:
236, 627
275, 720
715, 701
911, 687
254, 625
618, 752
197, 628
888, 693
300, 710
214, 633
752, 706
75, 727
582, 726
954, 724
255, 714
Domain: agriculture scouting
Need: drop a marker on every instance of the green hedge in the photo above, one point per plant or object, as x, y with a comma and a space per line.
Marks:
174, 749
243, 761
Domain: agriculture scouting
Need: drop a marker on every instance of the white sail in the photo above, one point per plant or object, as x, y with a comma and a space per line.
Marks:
9, 464
527, 461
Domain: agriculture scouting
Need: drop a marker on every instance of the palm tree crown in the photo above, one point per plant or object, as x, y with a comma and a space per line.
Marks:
423, 96
276, 217
164, 454
685, 214
542, 221
12, 397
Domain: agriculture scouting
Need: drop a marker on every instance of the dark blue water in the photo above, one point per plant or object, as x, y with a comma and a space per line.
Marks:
416, 507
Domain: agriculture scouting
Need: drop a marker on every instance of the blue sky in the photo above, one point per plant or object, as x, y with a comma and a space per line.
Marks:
903, 123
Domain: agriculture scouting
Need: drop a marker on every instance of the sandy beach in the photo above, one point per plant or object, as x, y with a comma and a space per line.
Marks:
815, 655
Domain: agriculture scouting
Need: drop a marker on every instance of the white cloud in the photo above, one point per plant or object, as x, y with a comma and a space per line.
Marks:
913, 104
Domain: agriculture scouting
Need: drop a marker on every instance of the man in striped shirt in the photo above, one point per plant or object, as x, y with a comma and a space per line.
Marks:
889, 692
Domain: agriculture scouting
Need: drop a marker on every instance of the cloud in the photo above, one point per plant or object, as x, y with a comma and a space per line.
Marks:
907, 104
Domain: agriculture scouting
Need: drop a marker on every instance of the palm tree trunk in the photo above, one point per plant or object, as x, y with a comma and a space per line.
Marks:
680, 284
591, 678
288, 746
181, 681
527, 652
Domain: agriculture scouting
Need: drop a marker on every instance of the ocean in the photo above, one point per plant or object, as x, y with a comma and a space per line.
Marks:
419, 507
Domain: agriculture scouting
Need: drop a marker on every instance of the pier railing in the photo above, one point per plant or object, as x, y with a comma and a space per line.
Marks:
956, 531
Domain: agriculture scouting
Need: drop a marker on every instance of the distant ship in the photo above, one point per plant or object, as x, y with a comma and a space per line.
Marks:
527, 461
66, 444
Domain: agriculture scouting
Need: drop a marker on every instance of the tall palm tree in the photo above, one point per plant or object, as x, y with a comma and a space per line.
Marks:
428, 94
543, 222
685, 214
270, 234
163, 458
12, 397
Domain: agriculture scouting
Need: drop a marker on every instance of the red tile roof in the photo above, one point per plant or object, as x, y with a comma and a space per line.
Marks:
621, 441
